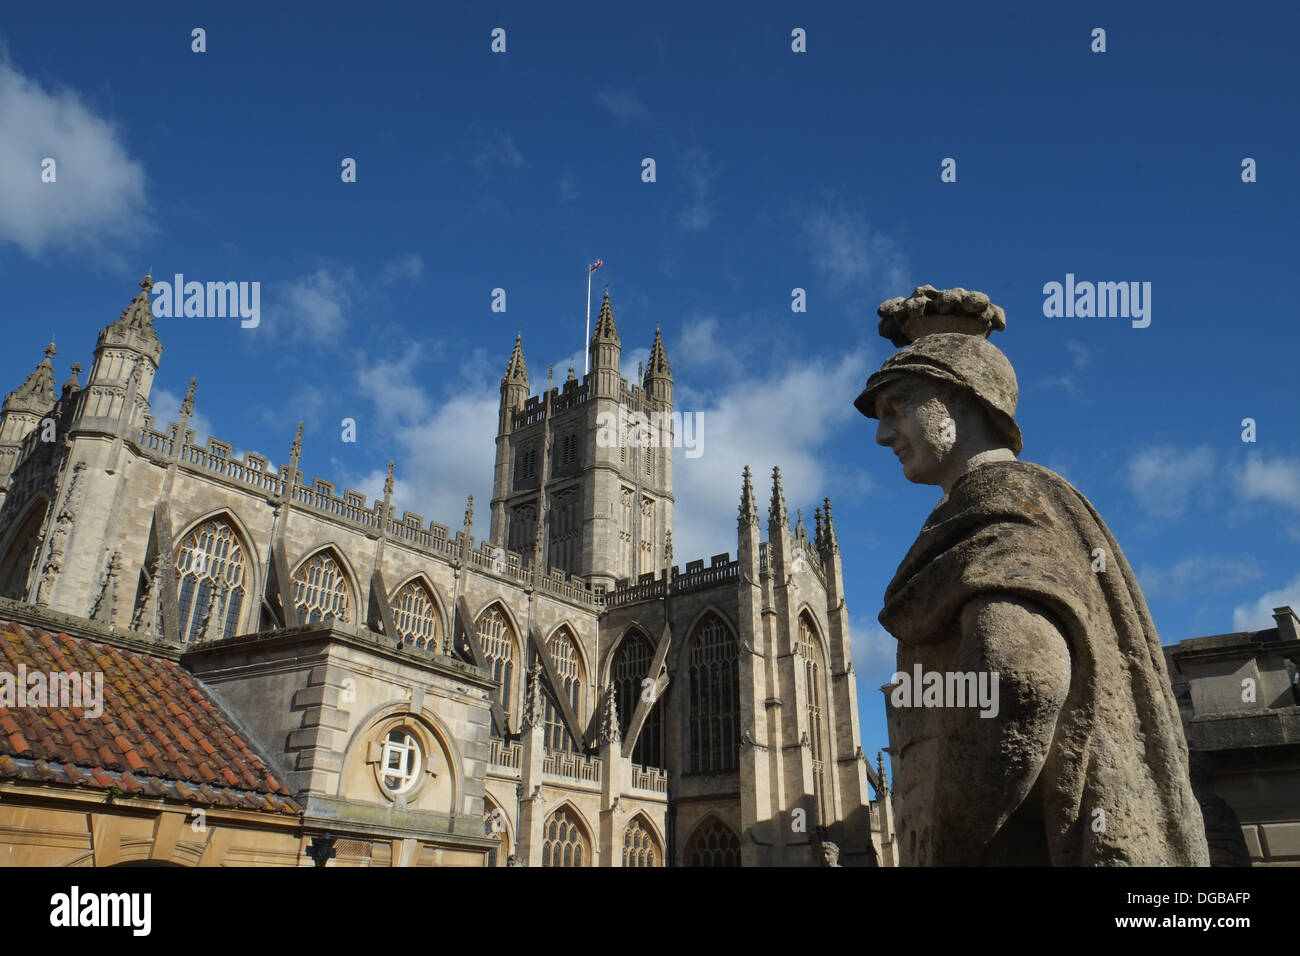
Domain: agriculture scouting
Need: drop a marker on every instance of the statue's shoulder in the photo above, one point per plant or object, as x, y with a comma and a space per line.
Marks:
1015, 476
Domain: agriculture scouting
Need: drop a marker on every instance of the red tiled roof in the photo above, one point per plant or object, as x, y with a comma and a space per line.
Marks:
160, 733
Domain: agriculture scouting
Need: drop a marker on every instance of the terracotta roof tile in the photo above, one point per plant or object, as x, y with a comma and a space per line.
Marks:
159, 733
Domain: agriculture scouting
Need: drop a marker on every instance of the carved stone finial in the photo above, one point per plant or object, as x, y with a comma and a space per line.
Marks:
534, 710
748, 509
469, 517
778, 518
388, 480
106, 603
146, 616
50, 352
187, 406
609, 730
829, 540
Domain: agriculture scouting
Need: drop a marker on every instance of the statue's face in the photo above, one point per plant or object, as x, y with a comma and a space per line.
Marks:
917, 425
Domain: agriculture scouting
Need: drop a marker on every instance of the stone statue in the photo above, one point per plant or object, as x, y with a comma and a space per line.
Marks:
1031, 718
830, 854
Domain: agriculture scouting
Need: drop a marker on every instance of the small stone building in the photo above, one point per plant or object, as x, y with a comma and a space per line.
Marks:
1239, 696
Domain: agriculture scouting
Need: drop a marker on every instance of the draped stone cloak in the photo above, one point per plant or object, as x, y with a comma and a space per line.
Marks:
1016, 529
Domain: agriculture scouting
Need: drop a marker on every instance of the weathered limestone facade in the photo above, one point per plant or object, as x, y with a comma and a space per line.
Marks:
558, 693
1239, 696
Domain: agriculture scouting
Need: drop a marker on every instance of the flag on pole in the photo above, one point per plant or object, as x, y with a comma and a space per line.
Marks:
594, 266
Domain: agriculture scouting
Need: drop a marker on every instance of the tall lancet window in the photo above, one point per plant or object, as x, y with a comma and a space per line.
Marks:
631, 668
497, 639
814, 668
210, 568
568, 667
415, 615
320, 590
714, 688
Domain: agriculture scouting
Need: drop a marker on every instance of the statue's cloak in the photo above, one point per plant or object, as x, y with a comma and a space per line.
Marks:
1014, 528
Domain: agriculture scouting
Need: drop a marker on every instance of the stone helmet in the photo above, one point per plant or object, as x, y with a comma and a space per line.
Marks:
970, 363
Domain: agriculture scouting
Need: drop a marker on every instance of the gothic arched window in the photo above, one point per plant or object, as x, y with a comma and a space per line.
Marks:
18, 563
415, 615
640, 848
714, 844
714, 687
631, 667
568, 667
320, 590
210, 571
814, 668
497, 639
564, 840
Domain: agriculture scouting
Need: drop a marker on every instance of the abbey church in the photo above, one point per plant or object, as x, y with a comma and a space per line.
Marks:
294, 675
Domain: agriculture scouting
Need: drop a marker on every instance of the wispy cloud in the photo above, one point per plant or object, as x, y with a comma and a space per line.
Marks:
698, 173
494, 148
1198, 574
405, 268
568, 188
313, 307
98, 199
623, 106
848, 250
1165, 479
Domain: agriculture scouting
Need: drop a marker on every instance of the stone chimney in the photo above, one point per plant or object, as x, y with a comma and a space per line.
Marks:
1288, 625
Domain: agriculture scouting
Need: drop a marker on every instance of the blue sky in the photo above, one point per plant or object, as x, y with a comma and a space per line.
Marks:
775, 170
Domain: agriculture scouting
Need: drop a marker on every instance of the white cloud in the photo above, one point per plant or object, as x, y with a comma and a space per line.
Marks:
873, 646
444, 450
313, 307
849, 251
1198, 574
568, 188
404, 268
624, 106
1258, 615
698, 173
782, 419
98, 199
1276, 481
1165, 479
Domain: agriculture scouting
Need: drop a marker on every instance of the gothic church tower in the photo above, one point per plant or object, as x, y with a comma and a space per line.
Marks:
596, 455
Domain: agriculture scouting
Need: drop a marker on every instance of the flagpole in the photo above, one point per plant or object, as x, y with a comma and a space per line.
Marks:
586, 352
